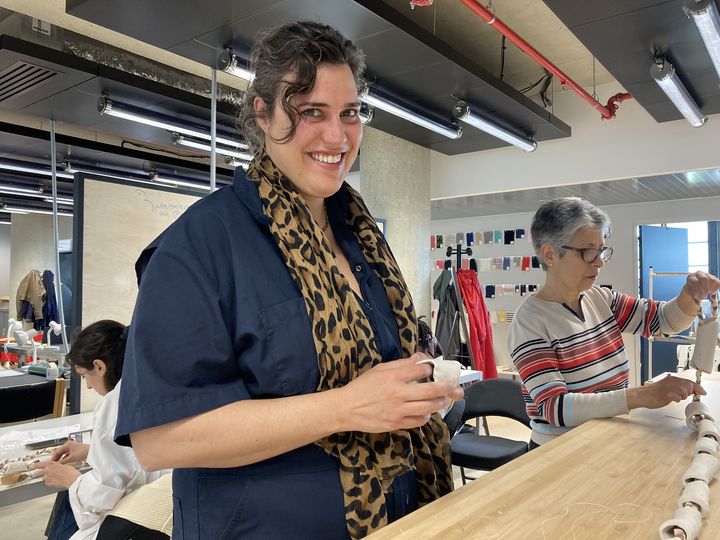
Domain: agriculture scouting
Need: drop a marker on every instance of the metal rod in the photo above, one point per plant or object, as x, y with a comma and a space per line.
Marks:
56, 233
213, 128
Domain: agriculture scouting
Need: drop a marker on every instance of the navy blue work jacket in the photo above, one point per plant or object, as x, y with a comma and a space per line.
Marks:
219, 319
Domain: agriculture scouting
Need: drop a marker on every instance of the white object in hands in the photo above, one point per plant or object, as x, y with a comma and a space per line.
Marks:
705, 342
444, 370
55, 328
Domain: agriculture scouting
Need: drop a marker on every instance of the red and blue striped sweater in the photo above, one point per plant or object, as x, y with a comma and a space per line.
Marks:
574, 366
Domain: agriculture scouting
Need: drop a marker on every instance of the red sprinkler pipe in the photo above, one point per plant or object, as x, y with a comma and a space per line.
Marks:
606, 111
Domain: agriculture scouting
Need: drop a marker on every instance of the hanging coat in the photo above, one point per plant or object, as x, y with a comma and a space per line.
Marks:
447, 325
50, 309
480, 327
30, 298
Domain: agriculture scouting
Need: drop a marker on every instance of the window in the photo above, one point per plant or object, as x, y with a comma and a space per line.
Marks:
698, 252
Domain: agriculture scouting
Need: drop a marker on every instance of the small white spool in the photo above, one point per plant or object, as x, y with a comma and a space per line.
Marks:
703, 467
708, 428
697, 493
686, 518
706, 445
695, 412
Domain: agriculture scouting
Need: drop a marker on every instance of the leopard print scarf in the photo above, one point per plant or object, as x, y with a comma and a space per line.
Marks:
346, 348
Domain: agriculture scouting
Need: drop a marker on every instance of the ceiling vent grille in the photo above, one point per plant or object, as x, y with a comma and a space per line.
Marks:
22, 77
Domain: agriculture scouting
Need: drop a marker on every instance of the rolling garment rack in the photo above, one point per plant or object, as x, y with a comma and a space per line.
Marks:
459, 252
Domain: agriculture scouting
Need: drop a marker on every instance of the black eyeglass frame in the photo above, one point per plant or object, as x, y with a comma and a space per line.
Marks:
600, 252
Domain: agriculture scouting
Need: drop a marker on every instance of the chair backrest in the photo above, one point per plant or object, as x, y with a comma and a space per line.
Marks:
495, 397
26, 402
453, 419
59, 402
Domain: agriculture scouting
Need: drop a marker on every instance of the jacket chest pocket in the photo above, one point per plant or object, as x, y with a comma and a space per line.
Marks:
289, 350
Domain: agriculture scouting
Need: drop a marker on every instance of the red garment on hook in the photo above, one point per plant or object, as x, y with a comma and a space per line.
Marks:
481, 338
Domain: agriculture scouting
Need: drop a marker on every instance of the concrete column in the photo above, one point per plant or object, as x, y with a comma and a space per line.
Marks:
395, 183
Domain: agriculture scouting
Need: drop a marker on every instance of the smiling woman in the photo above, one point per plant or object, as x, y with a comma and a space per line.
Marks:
565, 340
288, 399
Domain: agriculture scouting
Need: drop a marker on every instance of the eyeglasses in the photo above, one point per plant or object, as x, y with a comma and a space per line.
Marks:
590, 255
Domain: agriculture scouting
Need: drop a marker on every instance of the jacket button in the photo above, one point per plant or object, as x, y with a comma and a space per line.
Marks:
358, 267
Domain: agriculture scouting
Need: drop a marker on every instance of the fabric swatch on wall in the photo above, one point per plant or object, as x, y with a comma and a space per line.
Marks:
470, 239
497, 263
478, 238
485, 264
498, 236
523, 290
460, 238
438, 241
506, 263
519, 233
509, 237
433, 239
489, 291
525, 264
449, 239
535, 262
532, 288
488, 237
516, 261
465, 264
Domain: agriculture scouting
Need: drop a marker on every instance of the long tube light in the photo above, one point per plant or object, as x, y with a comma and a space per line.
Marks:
17, 165
118, 174
137, 114
462, 112
182, 140
229, 63
28, 210
664, 75
175, 180
61, 200
706, 17
376, 98
12, 190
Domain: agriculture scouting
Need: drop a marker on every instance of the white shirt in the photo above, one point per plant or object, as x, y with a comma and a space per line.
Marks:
115, 472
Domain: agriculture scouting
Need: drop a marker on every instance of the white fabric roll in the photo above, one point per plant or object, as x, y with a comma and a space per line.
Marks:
696, 411
705, 341
686, 518
706, 445
697, 493
703, 467
709, 429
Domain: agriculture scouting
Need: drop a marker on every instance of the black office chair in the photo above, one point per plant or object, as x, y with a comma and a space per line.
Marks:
26, 402
492, 397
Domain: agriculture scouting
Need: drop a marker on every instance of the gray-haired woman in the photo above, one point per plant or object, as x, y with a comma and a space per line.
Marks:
565, 340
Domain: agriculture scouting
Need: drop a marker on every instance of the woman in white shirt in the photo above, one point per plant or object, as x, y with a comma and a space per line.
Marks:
97, 356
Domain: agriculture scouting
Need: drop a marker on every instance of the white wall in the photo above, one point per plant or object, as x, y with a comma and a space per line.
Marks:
621, 272
32, 247
4, 260
630, 145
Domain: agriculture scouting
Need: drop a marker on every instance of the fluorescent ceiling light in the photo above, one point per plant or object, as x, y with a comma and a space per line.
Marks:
29, 167
706, 17
377, 99
140, 176
462, 112
5, 223
664, 75
179, 181
60, 200
229, 63
141, 116
177, 138
26, 210
12, 190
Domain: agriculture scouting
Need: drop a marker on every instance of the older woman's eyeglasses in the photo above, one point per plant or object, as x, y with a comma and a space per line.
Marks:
590, 255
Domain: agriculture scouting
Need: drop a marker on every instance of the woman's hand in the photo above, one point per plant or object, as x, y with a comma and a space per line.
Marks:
70, 452
658, 394
697, 287
386, 398
57, 475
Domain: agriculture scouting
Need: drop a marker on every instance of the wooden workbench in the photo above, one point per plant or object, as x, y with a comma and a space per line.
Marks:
610, 478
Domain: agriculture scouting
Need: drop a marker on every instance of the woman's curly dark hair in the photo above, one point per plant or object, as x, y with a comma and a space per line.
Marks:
285, 61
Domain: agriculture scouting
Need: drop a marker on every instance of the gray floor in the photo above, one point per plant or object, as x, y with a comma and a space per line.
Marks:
27, 521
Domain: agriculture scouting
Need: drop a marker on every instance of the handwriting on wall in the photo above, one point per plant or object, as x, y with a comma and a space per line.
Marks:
159, 207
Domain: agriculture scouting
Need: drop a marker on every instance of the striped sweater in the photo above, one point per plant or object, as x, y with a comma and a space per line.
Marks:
573, 366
